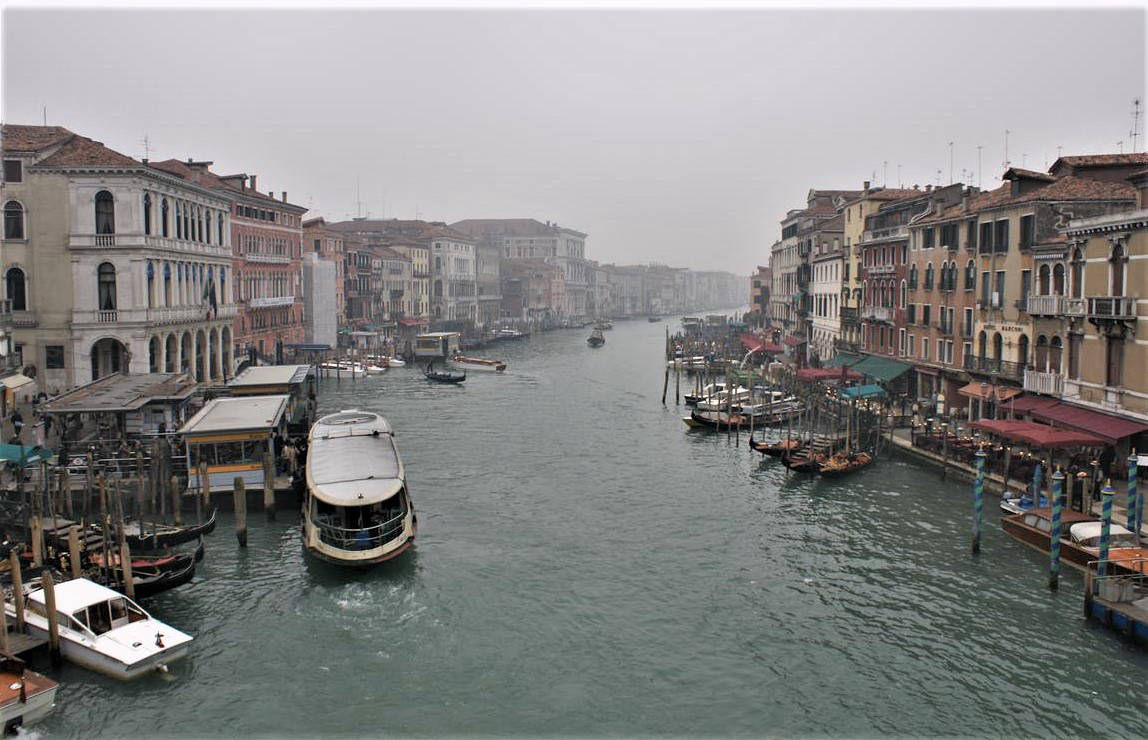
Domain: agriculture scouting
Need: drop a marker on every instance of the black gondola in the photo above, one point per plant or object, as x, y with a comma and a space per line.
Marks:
776, 449
148, 582
439, 376
167, 535
852, 465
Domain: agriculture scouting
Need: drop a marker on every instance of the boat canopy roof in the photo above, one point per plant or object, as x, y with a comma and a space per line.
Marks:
352, 459
1087, 530
78, 593
271, 375
237, 414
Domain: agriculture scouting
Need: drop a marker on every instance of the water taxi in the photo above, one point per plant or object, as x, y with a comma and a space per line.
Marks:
104, 631
357, 509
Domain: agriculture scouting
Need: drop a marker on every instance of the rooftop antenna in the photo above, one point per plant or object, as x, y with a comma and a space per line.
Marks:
1135, 132
979, 148
358, 199
950, 163
938, 177
1006, 162
900, 184
884, 174
1121, 145
45, 115
1058, 151
1023, 159
147, 148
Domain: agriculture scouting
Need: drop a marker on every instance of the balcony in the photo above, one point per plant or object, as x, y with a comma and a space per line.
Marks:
271, 301
877, 313
881, 269
23, 319
1051, 384
993, 366
152, 316
850, 314
844, 346
878, 235
272, 259
945, 329
1115, 308
102, 242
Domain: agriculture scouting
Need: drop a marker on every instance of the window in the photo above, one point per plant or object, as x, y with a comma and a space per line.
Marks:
928, 238
926, 313
924, 348
163, 216
1025, 283
911, 315
15, 286
986, 284
1077, 274
1000, 236
147, 213
105, 213
54, 357
13, 220
106, 283
1114, 375
912, 346
1074, 355
1027, 232
970, 276
1116, 271
929, 276
1000, 288
986, 237
901, 340
971, 235
13, 170
949, 235
913, 277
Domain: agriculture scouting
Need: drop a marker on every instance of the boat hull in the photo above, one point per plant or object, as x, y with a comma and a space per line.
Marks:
93, 660
360, 558
37, 705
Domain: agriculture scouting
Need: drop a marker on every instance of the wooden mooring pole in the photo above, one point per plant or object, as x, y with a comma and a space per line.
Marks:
241, 511
74, 550
17, 589
126, 569
176, 498
53, 618
269, 485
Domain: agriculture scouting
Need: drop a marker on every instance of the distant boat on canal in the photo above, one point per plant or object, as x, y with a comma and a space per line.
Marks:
596, 338
479, 363
357, 510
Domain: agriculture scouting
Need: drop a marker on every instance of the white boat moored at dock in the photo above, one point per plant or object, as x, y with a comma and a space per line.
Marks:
103, 630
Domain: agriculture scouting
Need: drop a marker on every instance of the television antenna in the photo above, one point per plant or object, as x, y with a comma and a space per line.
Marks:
1134, 134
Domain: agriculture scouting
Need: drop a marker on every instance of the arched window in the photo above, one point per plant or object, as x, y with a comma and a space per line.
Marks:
983, 344
15, 286
219, 221
207, 220
1040, 358
1043, 279
198, 224
913, 277
904, 294
167, 283
105, 213
106, 283
150, 284
178, 221
929, 276
1116, 270
1058, 279
187, 222
998, 346
1022, 350
163, 220
147, 213
13, 220
1054, 349
1077, 273
970, 276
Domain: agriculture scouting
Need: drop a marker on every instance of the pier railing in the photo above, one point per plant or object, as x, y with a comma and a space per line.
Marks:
1118, 584
367, 538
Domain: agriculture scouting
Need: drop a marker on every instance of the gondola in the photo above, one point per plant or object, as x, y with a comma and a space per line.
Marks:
803, 463
166, 535
776, 449
837, 467
158, 563
719, 420
151, 581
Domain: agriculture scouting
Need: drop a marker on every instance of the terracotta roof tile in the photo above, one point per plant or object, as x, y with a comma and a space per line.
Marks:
1030, 174
1064, 188
80, 151
17, 138
1102, 160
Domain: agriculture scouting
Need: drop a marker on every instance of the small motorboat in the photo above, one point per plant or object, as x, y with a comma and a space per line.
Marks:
653, 319
26, 697
351, 369
596, 339
776, 449
691, 399
842, 464
723, 399
604, 325
444, 376
385, 361
478, 363
103, 630
1021, 504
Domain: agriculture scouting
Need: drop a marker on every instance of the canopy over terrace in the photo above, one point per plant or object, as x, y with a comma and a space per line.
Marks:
827, 373
1037, 435
756, 344
862, 391
119, 406
1111, 429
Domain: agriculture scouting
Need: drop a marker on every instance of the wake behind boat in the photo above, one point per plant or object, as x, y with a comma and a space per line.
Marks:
357, 509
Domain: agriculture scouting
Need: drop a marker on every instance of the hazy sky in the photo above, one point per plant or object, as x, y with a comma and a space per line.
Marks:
668, 135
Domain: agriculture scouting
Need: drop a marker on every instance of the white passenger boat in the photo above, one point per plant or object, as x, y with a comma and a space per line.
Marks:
720, 400
103, 630
26, 697
350, 369
479, 364
357, 510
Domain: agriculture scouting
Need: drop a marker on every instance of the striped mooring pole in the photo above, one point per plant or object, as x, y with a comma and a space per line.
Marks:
979, 501
1037, 484
1106, 495
1054, 543
1135, 505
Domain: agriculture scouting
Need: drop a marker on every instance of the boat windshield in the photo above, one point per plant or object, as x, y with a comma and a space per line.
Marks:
108, 615
358, 517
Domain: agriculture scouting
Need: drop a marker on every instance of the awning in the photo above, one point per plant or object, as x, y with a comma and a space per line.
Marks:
926, 370
1111, 428
15, 381
751, 342
1029, 403
1037, 435
842, 358
794, 341
884, 369
828, 373
989, 392
1002, 427
411, 322
862, 391
13, 454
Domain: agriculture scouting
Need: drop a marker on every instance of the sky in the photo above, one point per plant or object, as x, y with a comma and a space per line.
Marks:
675, 136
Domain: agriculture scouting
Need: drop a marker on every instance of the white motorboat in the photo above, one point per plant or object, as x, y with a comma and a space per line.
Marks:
709, 390
103, 630
385, 361
350, 369
357, 509
374, 369
26, 697
725, 398
478, 363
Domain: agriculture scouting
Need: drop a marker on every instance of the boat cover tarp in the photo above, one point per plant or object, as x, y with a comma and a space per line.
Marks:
862, 391
363, 469
13, 453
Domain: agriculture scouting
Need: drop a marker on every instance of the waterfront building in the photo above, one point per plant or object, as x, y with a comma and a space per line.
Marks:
320, 317
267, 239
530, 290
111, 264
329, 244
528, 238
759, 285
826, 255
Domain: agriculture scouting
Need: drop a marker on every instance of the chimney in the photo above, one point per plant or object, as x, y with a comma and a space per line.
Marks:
251, 182
865, 186
284, 196
965, 200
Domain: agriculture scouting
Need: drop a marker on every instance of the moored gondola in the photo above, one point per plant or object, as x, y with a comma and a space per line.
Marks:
803, 463
166, 535
776, 449
842, 465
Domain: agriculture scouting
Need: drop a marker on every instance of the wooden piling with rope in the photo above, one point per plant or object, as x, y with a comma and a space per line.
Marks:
240, 493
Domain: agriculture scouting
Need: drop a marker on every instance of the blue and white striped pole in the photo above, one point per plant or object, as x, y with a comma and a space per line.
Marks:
1037, 484
1135, 505
979, 501
1054, 542
1107, 495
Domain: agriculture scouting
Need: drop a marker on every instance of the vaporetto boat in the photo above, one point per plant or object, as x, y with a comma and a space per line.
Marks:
357, 509
478, 363
103, 630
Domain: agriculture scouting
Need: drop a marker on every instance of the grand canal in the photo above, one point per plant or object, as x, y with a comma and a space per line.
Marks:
586, 566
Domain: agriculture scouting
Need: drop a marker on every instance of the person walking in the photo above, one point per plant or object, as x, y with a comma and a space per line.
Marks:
17, 423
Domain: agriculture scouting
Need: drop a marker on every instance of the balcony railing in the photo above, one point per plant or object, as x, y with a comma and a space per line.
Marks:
945, 328
274, 259
850, 313
271, 301
1048, 383
877, 313
1121, 308
145, 241
893, 232
168, 315
993, 366
881, 269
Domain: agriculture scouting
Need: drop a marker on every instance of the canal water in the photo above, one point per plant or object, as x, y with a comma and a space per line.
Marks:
587, 566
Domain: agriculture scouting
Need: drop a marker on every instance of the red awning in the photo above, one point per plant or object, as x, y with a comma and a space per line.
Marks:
926, 370
1004, 427
1029, 403
828, 373
1111, 428
794, 341
410, 322
1056, 438
750, 342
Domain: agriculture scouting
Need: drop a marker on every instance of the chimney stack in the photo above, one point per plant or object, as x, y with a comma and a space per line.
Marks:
865, 186
251, 182
284, 196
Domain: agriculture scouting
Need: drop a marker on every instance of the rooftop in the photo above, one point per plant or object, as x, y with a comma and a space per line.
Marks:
241, 413
18, 138
271, 375
122, 393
